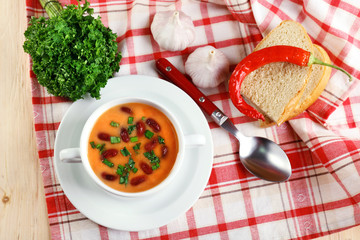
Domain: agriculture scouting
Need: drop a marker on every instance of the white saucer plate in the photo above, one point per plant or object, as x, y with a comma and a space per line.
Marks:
146, 212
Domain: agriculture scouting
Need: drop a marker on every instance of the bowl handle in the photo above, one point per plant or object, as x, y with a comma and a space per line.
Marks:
70, 155
194, 140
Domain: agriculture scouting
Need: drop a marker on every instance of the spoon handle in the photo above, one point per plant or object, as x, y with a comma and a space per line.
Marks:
176, 77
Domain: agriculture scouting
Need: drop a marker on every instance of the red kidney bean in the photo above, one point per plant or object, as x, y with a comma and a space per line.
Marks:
140, 128
150, 145
164, 151
146, 168
109, 153
126, 110
124, 135
137, 180
153, 124
104, 136
108, 176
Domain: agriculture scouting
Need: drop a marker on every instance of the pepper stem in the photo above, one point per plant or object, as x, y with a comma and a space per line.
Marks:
314, 60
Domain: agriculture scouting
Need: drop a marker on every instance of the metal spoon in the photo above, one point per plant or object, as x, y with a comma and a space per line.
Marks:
260, 156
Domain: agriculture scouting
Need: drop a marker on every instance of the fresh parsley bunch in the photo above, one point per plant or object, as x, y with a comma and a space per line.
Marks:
73, 53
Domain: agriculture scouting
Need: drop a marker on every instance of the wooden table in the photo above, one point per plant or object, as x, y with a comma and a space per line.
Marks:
22, 207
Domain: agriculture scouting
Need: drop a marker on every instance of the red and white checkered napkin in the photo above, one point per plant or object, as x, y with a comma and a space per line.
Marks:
323, 144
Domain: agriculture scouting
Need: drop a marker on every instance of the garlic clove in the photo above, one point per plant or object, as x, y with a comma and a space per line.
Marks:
207, 66
173, 30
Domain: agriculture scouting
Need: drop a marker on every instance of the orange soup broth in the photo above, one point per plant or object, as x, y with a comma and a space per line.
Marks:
139, 111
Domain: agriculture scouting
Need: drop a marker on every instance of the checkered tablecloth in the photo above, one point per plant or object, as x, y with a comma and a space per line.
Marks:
323, 144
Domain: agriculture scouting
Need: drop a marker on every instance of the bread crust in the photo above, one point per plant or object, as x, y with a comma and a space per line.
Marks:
259, 45
294, 102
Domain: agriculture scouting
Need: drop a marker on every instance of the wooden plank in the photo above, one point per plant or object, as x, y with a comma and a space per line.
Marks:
23, 213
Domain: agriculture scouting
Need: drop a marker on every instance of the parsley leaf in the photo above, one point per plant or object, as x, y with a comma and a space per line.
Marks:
154, 160
73, 53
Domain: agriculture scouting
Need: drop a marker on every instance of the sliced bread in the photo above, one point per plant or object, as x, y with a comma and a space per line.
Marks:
276, 88
319, 77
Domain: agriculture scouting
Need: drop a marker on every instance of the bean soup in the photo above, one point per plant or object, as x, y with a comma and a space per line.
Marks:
132, 147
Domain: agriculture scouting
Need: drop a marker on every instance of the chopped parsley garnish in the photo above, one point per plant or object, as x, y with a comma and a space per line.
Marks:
124, 179
149, 134
130, 163
124, 171
137, 148
114, 124
161, 140
155, 166
120, 170
114, 140
130, 120
134, 139
154, 160
131, 128
100, 147
125, 152
108, 163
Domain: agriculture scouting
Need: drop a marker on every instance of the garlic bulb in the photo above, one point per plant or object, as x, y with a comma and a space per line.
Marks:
173, 30
207, 66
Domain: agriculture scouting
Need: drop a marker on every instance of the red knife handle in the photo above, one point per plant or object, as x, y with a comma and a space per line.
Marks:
176, 77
